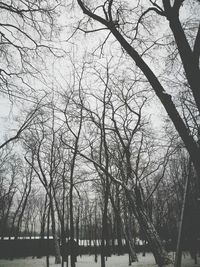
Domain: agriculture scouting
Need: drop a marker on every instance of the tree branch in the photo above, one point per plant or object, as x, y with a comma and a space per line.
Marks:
90, 14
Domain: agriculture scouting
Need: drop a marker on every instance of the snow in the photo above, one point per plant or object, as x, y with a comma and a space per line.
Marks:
88, 261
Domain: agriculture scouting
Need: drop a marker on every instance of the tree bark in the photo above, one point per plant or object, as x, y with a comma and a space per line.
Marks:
180, 233
55, 237
161, 256
128, 237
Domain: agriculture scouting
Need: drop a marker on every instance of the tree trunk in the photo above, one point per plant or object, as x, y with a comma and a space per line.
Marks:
73, 264
55, 237
165, 99
129, 239
103, 235
95, 234
48, 222
161, 256
127, 235
180, 233
118, 221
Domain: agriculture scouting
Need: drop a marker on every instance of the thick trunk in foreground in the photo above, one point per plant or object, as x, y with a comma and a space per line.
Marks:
165, 99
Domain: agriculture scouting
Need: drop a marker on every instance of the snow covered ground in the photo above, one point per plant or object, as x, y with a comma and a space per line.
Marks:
88, 261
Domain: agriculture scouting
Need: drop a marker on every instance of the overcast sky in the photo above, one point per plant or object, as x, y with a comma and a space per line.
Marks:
7, 111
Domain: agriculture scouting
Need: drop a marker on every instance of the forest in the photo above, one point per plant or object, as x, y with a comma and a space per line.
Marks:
100, 133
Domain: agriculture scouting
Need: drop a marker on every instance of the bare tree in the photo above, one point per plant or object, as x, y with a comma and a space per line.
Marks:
31, 115
123, 152
10, 171
25, 192
41, 146
74, 121
123, 22
26, 33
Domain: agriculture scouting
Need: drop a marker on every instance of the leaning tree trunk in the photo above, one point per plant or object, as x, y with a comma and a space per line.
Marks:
127, 235
133, 254
131, 246
160, 254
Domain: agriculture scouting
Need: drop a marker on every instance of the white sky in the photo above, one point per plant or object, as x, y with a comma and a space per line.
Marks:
7, 109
